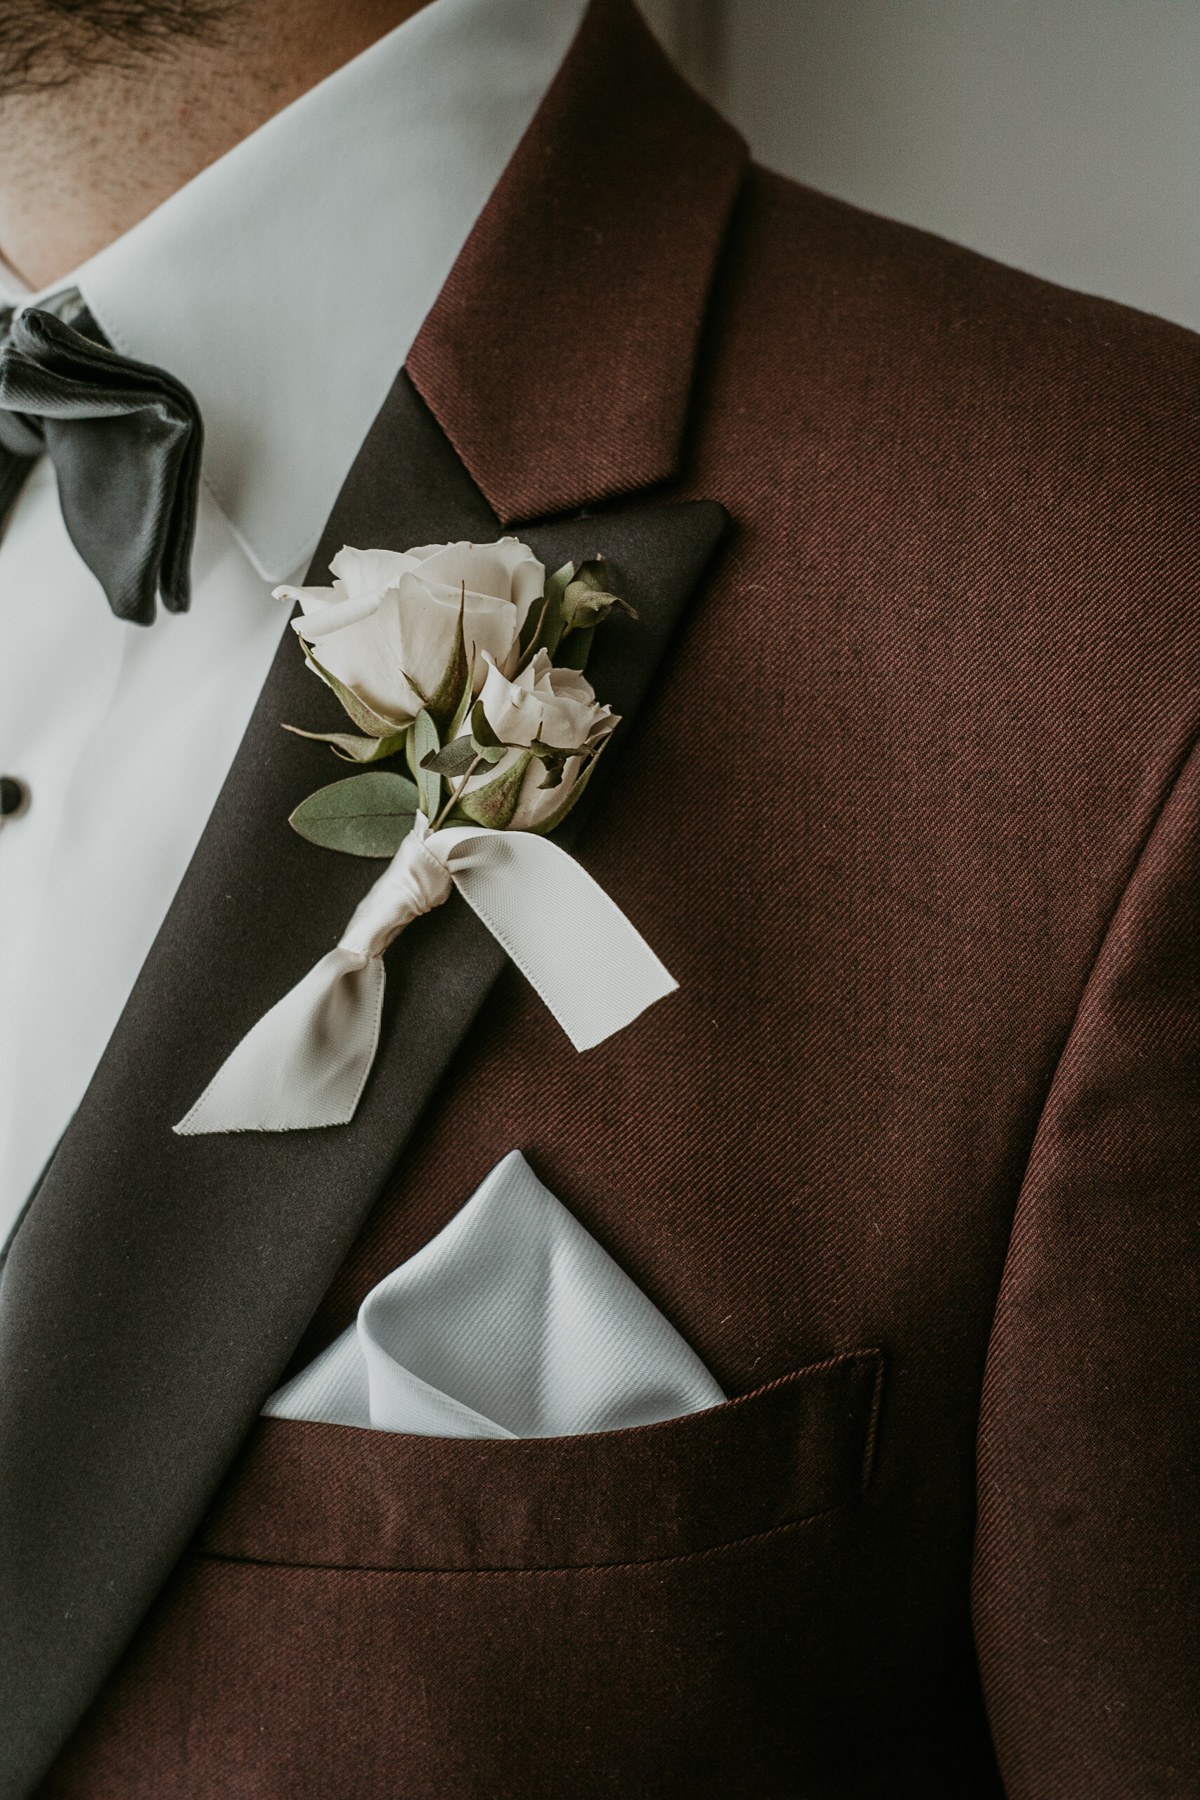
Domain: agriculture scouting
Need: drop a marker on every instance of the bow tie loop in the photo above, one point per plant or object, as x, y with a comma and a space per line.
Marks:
125, 439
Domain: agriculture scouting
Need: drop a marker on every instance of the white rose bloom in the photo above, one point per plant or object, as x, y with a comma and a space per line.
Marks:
392, 615
559, 708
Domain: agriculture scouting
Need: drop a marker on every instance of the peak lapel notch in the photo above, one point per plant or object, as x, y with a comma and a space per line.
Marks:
558, 358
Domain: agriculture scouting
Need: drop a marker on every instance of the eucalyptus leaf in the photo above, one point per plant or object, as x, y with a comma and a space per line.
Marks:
455, 759
491, 753
425, 742
364, 716
365, 815
355, 749
495, 802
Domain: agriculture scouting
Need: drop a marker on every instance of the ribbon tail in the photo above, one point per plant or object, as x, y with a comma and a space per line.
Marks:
306, 1061
573, 944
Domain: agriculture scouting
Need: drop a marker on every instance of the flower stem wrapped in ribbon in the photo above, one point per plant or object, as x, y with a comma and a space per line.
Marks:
464, 659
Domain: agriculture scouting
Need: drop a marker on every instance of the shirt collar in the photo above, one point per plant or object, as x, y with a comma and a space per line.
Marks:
286, 284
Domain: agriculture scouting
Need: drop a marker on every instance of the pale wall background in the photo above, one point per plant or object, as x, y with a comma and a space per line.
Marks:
1062, 136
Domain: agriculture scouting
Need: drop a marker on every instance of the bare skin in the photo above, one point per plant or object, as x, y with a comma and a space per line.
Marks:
82, 162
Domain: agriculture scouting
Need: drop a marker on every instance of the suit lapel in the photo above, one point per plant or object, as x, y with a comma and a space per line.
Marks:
158, 1285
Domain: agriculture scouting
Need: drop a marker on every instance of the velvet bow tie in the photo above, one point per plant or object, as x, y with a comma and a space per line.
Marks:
125, 441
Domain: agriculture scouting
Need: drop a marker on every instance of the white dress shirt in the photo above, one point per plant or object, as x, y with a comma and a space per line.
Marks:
285, 285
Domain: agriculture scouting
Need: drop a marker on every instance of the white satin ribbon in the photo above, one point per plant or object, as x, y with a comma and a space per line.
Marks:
306, 1062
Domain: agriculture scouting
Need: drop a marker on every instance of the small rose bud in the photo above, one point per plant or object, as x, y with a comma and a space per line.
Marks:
555, 714
587, 601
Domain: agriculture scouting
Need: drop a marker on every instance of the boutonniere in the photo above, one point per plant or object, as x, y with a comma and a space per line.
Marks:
466, 660
465, 665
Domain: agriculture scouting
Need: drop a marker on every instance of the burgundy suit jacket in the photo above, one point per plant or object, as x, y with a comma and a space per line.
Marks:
912, 1158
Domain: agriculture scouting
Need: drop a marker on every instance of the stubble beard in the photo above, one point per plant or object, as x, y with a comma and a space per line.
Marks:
47, 44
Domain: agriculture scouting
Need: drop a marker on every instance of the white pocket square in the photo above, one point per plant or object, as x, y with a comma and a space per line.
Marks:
511, 1323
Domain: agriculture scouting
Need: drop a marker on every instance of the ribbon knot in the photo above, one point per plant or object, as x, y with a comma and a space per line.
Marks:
306, 1061
415, 881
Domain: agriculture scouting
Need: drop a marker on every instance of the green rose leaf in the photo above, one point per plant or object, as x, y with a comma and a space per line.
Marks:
354, 749
365, 815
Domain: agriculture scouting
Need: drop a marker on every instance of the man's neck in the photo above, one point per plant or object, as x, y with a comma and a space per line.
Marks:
81, 163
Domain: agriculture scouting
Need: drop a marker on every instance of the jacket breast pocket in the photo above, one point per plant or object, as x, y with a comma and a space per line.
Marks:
381, 1615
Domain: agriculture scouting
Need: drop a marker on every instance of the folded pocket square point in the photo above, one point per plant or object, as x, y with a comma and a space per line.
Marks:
511, 1322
